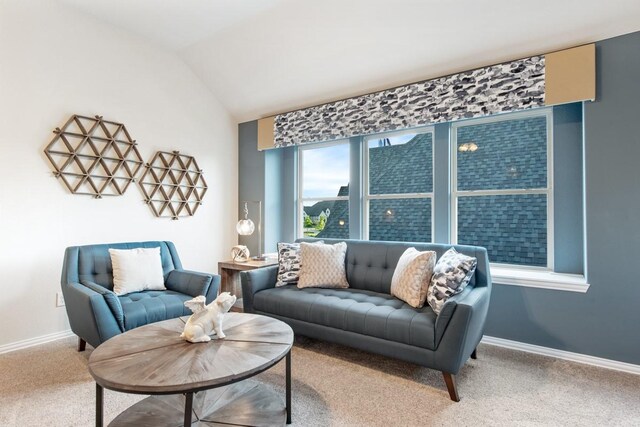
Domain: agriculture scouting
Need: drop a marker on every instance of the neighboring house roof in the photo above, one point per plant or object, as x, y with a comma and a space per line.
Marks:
510, 154
337, 226
319, 207
343, 191
405, 168
392, 169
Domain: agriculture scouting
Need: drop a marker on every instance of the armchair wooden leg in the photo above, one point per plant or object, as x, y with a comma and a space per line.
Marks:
81, 344
451, 386
474, 355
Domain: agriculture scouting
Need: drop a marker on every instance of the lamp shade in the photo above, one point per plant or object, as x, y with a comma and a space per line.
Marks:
245, 227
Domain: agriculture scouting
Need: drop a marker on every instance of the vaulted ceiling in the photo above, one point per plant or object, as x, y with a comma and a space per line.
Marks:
261, 57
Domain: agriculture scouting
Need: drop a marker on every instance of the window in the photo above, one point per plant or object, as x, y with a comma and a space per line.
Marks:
399, 186
501, 189
489, 182
324, 190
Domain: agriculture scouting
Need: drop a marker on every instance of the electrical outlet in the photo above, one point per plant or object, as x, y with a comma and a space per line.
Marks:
59, 299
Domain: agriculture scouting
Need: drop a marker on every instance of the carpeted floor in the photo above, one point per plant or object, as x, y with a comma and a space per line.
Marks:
333, 385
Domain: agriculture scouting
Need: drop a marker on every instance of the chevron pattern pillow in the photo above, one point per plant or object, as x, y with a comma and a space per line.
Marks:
450, 276
322, 266
289, 263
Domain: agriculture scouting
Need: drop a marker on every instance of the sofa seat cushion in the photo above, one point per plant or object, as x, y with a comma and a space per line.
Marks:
142, 308
354, 310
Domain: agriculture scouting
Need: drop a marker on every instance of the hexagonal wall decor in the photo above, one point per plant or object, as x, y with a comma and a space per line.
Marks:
173, 185
93, 156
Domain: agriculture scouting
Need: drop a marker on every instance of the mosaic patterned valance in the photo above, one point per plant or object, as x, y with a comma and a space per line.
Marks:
507, 87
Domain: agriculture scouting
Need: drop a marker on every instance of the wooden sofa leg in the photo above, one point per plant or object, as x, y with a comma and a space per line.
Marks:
451, 386
474, 355
81, 344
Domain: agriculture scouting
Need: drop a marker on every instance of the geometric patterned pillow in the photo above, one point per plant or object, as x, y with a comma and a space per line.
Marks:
451, 275
288, 263
322, 266
412, 276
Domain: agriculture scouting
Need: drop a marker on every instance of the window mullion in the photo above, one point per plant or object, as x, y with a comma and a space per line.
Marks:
400, 196
502, 192
322, 199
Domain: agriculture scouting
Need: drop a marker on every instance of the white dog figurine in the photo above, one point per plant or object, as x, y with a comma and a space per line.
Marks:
206, 319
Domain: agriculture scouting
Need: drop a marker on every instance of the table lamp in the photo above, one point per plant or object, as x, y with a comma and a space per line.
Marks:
246, 227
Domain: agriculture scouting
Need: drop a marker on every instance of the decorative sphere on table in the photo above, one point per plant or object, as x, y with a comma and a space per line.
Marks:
240, 253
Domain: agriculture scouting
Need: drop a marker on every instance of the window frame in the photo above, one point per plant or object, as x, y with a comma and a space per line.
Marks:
546, 112
300, 184
367, 197
503, 274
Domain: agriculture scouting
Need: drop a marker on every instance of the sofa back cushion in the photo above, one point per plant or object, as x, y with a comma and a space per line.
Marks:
370, 264
94, 262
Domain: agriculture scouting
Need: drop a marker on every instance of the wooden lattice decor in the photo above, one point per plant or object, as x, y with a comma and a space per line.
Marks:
173, 185
94, 156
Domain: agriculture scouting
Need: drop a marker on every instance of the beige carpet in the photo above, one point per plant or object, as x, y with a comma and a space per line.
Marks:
337, 386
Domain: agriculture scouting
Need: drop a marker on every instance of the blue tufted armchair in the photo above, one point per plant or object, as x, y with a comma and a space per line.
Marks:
97, 314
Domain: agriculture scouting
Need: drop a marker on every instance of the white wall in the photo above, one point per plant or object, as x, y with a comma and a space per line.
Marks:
55, 62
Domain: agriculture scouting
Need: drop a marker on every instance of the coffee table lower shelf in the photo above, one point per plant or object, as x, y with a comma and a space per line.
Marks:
246, 403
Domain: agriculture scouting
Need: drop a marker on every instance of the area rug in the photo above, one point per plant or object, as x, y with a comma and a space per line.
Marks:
338, 386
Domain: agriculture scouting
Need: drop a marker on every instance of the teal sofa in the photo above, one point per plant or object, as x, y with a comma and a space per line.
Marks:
366, 316
96, 313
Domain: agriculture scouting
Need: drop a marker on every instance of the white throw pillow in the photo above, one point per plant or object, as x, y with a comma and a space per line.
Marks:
412, 276
322, 266
136, 270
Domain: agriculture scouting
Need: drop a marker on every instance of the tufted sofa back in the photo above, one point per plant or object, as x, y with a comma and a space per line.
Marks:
370, 264
92, 263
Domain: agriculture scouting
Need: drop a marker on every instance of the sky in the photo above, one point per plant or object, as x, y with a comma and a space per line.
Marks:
326, 169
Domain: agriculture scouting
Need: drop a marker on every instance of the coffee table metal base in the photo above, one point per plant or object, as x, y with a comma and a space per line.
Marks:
246, 403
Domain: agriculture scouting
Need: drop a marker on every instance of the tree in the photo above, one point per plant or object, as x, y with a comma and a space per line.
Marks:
322, 221
307, 222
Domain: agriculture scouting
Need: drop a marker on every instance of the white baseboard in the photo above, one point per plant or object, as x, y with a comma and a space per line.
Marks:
19, 345
500, 342
565, 355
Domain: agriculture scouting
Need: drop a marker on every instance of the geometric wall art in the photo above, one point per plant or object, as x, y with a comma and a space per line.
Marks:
173, 185
93, 156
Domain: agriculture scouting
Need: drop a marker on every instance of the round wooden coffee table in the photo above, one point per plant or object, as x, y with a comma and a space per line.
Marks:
196, 383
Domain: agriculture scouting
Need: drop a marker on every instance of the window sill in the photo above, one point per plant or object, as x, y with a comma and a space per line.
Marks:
539, 279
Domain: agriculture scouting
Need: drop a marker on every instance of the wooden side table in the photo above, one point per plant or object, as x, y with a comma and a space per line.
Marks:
229, 272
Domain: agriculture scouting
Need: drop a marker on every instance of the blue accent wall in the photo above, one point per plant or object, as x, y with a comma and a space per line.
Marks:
273, 199
441, 191
568, 189
261, 177
604, 322
355, 184
287, 211
251, 168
